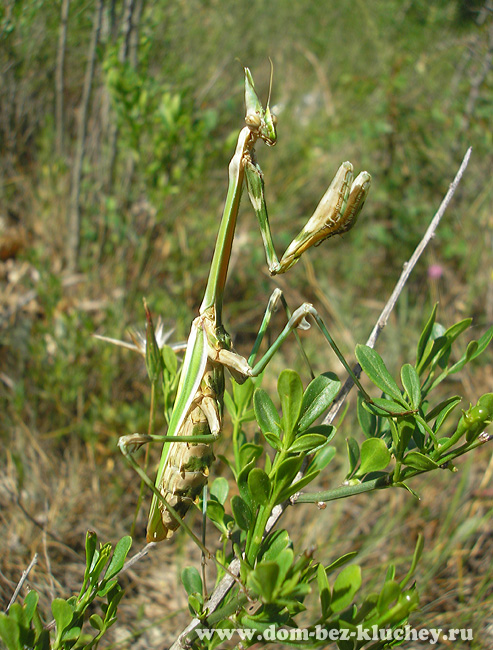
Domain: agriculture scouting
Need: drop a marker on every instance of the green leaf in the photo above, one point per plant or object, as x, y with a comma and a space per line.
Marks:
425, 335
30, 605
374, 456
441, 410
388, 596
230, 405
284, 561
96, 622
328, 431
344, 559
169, 359
243, 394
286, 473
263, 580
307, 442
102, 558
114, 599
483, 343
409, 489
259, 486
191, 580
9, 632
418, 551
419, 461
91, 545
291, 489
367, 420
216, 513
195, 604
17, 613
72, 634
62, 613
266, 413
384, 407
323, 591
119, 556
346, 586
241, 512
456, 330
473, 350
274, 441
243, 484
373, 365
220, 489
317, 398
322, 458
434, 353
353, 454
106, 586
249, 453
273, 544
290, 391
390, 575
411, 383
405, 428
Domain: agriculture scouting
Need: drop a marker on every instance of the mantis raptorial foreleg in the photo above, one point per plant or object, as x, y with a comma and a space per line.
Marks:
336, 213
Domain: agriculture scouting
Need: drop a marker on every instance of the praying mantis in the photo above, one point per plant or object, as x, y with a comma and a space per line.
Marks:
196, 418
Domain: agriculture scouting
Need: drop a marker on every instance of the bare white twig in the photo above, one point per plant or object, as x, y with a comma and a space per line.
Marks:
23, 579
138, 556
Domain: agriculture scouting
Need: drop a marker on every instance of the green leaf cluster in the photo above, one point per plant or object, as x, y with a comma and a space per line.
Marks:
23, 629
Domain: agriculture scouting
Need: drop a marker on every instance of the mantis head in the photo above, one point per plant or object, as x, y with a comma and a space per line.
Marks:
259, 120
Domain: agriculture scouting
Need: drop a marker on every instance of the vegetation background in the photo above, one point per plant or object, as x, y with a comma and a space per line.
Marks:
117, 122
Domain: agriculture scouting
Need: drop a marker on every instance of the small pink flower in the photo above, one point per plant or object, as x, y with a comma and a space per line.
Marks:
435, 271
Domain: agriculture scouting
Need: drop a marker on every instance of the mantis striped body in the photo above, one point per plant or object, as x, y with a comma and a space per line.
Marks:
196, 419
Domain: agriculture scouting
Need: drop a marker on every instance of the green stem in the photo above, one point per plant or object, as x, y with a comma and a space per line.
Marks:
344, 491
150, 432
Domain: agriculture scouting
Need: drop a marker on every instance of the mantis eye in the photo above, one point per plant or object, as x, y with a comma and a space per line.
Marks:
274, 119
253, 120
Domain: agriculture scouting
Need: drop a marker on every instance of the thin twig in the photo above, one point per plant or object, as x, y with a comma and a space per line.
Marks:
23, 579
227, 582
138, 556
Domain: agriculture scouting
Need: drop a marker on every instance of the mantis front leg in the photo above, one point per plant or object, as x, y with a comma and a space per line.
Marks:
336, 213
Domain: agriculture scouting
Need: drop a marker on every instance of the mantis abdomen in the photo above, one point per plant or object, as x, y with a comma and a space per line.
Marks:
187, 464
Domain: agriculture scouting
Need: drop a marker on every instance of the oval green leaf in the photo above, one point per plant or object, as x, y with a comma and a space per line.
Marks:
367, 420
241, 512
374, 456
419, 461
290, 391
265, 412
373, 365
220, 489
259, 486
62, 613
191, 580
307, 442
425, 334
353, 454
317, 398
411, 383
119, 556
346, 586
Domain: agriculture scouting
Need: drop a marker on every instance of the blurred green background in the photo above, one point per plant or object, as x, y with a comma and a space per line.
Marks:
121, 117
